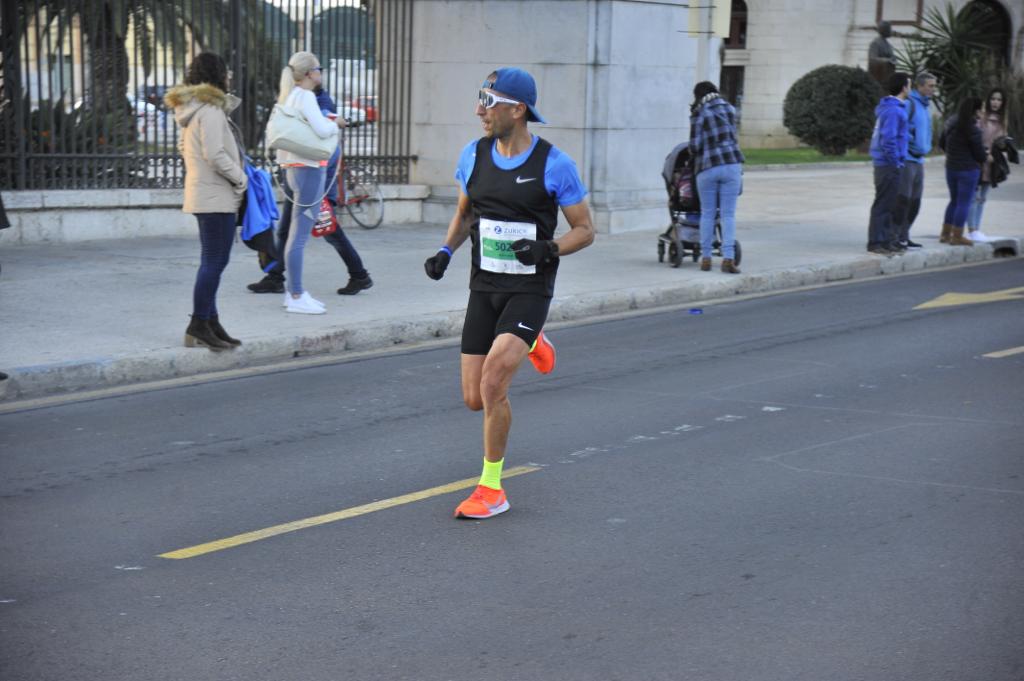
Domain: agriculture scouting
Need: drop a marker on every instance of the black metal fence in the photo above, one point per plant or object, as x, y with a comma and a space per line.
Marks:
81, 96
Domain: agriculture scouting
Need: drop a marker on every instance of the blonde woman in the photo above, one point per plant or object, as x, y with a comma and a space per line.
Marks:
305, 176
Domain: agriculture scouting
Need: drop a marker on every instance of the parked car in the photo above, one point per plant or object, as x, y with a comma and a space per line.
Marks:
151, 121
354, 115
368, 104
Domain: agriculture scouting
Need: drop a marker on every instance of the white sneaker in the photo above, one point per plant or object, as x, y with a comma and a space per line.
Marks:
288, 298
305, 304
978, 235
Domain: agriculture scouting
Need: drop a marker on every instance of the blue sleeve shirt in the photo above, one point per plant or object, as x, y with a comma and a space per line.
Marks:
561, 178
324, 101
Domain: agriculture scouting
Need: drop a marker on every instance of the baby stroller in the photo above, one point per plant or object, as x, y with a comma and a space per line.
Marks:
682, 237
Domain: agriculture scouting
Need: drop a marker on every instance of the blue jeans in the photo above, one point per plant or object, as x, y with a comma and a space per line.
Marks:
719, 188
338, 239
978, 206
961, 185
216, 234
307, 186
881, 227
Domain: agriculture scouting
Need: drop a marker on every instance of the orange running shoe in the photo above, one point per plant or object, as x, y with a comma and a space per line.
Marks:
484, 502
542, 354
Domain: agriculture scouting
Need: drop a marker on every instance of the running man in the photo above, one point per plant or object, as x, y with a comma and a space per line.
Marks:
512, 185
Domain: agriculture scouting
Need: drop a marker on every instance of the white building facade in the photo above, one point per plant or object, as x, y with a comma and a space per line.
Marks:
615, 79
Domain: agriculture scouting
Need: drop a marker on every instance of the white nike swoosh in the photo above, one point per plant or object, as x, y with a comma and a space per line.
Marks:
520, 180
524, 326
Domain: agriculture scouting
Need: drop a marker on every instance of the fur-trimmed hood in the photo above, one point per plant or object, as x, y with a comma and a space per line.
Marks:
186, 100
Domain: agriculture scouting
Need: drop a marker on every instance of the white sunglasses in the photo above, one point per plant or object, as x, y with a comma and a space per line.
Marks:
489, 100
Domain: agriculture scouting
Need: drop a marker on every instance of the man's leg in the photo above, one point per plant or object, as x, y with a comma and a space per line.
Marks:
916, 192
500, 366
892, 189
472, 369
273, 267
887, 179
901, 211
485, 383
875, 224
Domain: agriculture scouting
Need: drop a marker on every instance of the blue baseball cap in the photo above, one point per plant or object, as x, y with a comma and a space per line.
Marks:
520, 86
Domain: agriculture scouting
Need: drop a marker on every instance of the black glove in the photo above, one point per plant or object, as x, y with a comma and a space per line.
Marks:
437, 264
531, 252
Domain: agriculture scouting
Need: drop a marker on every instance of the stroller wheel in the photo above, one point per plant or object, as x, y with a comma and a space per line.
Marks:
738, 254
661, 252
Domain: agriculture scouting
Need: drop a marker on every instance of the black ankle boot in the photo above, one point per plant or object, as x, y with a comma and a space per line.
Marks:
268, 284
199, 334
354, 286
220, 333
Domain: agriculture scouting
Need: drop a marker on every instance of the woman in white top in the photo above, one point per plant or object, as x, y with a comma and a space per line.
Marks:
305, 176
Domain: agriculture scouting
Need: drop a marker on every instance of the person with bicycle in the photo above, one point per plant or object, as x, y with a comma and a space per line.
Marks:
512, 186
274, 266
305, 176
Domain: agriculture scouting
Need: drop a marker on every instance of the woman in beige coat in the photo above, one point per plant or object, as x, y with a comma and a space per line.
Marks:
215, 182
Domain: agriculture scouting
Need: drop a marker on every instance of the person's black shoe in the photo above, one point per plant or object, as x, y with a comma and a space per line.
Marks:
912, 244
879, 250
267, 284
354, 286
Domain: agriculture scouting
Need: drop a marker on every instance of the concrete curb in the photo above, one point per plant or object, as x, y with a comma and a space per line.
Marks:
109, 371
825, 165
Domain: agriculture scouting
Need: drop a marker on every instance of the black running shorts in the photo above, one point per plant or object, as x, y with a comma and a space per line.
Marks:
490, 314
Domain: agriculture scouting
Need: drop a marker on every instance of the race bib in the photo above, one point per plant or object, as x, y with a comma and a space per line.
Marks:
496, 239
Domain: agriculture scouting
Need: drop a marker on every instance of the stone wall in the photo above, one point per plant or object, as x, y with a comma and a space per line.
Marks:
83, 215
614, 81
788, 38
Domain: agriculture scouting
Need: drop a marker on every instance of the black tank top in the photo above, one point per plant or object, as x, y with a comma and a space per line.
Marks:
500, 197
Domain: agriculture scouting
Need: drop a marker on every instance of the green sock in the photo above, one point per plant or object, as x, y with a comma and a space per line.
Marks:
492, 474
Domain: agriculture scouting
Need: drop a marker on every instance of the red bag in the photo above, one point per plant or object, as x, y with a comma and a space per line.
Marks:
326, 223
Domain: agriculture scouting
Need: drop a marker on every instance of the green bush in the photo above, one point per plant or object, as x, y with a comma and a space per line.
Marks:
832, 108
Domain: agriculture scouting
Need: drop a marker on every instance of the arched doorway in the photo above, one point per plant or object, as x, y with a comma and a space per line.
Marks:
993, 24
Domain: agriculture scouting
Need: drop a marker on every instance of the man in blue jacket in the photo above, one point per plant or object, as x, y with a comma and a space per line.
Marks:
889, 153
919, 122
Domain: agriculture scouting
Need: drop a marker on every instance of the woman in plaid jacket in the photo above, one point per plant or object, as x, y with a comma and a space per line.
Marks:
718, 167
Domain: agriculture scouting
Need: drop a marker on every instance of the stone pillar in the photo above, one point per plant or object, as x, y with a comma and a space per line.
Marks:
614, 80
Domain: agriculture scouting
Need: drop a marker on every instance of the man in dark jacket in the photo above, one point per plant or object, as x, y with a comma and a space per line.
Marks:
889, 153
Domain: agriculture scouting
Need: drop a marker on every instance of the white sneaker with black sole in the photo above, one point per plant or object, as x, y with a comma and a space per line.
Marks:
305, 304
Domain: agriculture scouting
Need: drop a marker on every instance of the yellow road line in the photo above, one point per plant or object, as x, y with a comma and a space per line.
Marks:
239, 539
1005, 353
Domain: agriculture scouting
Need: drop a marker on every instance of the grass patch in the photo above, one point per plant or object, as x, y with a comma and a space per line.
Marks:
798, 155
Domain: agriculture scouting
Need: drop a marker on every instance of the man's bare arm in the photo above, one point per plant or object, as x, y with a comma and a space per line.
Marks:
581, 228
458, 228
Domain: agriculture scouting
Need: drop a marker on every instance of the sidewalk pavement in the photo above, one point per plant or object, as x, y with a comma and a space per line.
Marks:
99, 314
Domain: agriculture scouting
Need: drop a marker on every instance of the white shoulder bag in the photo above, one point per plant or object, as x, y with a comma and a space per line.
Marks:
289, 130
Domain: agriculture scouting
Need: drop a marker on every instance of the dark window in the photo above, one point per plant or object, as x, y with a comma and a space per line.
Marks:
731, 87
737, 39
993, 24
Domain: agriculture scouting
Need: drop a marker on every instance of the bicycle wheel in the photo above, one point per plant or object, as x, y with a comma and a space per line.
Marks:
363, 197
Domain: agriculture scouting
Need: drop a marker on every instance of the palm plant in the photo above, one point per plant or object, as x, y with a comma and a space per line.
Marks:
952, 45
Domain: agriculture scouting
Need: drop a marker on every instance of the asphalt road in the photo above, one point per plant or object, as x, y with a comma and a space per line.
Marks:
825, 484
